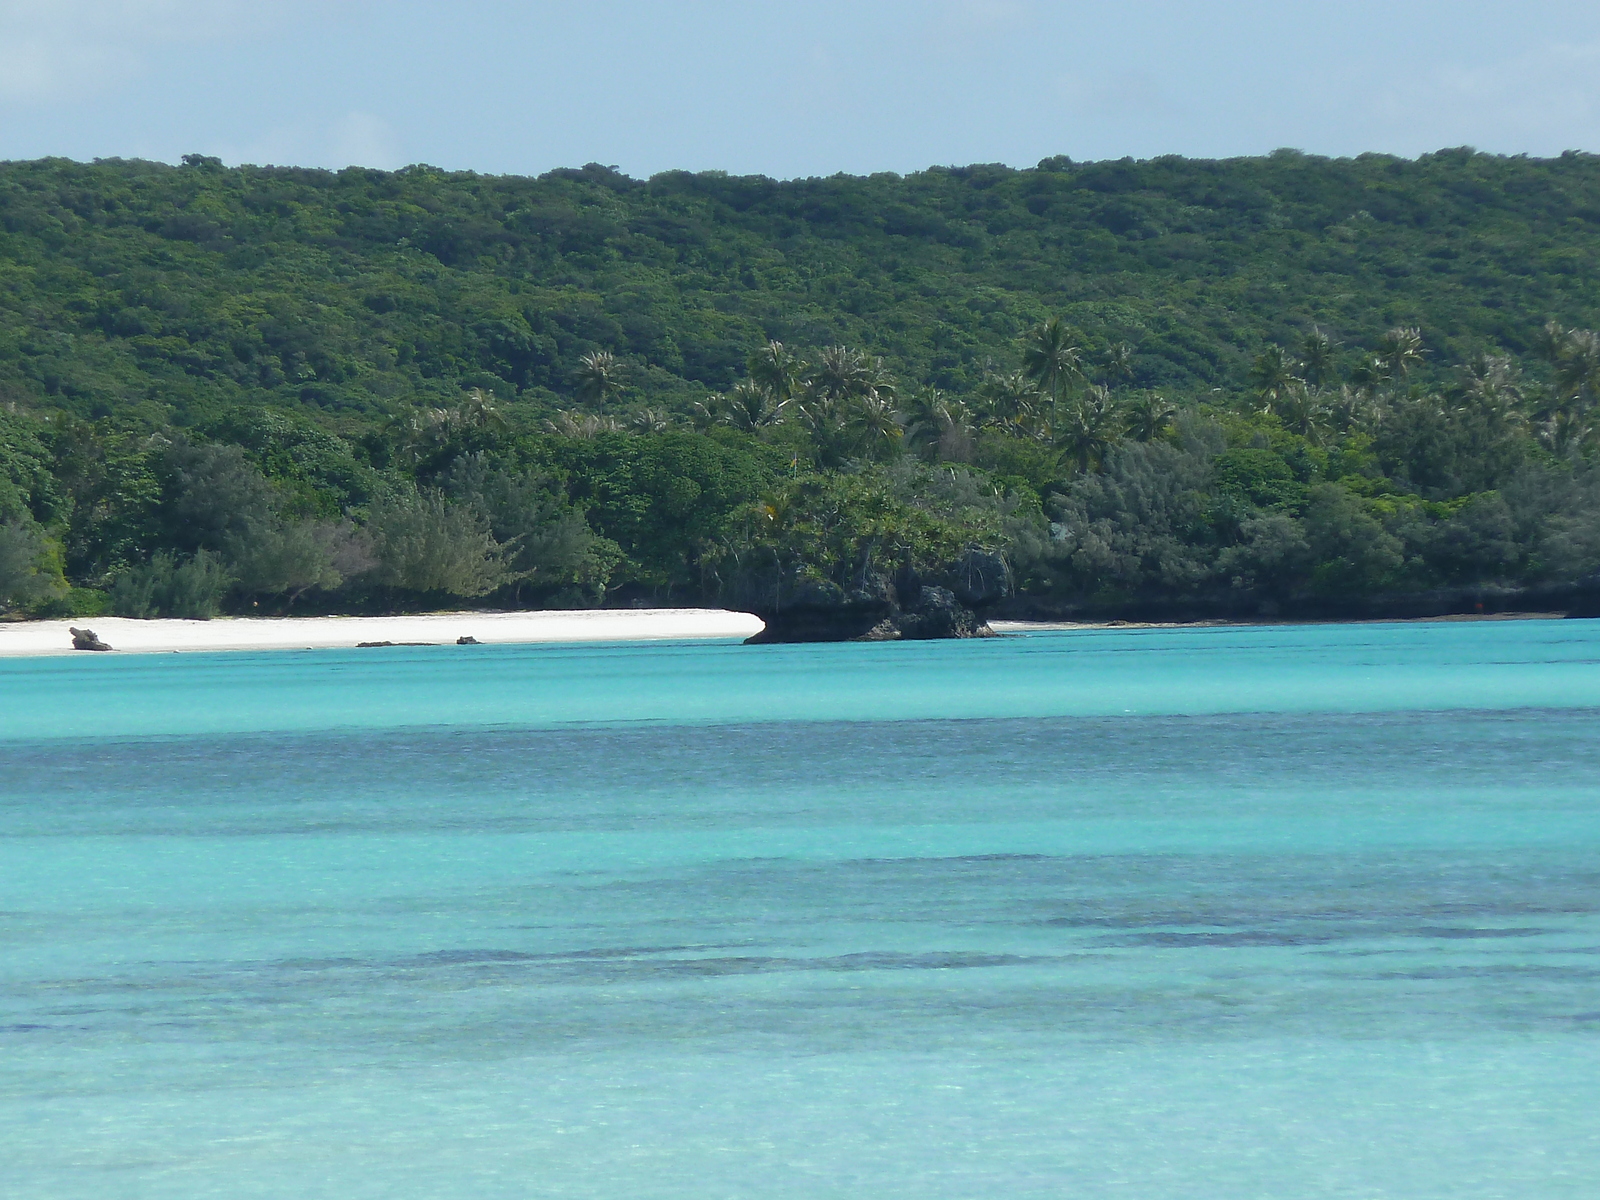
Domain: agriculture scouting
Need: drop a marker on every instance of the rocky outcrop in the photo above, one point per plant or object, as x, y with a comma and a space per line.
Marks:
937, 613
86, 639
909, 605
810, 610
981, 578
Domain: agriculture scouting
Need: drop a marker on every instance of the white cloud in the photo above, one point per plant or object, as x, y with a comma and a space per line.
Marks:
357, 139
1122, 93
1541, 101
54, 49
360, 139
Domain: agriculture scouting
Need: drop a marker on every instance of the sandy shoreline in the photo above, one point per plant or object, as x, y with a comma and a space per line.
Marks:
124, 635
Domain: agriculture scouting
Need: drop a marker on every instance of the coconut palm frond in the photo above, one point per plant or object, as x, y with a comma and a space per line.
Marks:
1010, 402
1087, 427
1272, 373
1051, 359
651, 420
1149, 416
1317, 354
581, 425
1399, 350
1305, 410
777, 371
598, 378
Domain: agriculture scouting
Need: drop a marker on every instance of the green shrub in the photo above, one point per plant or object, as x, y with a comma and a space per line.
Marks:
1352, 550
1260, 476
30, 568
87, 602
426, 544
170, 586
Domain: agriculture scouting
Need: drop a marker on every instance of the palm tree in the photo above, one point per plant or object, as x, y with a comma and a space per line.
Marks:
703, 414
1399, 350
875, 425
1271, 374
924, 418
651, 420
1367, 374
747, 406
846, 399
1149, 416
1304, 410
1352, 408
1578, 368
843, 374
598, 377
1551, 342
776, 370
938, 426
428, 429
826, 385
1563, 431
1118, 362
958, 430
1050, 359
1088, 427
1009, 402
1317, 357
1491, 383
1563, 424
582, 425
477, 410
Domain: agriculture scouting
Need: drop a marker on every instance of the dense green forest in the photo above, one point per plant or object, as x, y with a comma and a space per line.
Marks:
1260, 385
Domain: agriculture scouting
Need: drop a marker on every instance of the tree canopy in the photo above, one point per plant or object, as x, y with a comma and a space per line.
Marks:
1258, 378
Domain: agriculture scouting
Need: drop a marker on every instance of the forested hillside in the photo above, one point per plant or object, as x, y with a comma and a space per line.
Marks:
1258, 385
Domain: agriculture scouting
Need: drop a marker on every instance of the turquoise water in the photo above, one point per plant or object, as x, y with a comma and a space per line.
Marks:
1275, 912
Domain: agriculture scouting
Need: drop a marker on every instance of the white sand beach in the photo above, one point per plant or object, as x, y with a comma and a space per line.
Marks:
125, 635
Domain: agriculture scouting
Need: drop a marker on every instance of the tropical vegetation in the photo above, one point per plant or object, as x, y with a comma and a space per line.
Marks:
1256, 385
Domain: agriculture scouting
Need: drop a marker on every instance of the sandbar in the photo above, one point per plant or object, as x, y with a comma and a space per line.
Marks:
126, 635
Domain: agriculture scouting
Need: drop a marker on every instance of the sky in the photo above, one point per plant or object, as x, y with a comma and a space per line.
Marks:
789, 89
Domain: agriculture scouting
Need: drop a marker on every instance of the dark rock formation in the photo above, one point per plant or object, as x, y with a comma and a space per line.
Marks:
86, 639
981, 578
938, 614
821, 611
1584, 598
468, 640
910, 605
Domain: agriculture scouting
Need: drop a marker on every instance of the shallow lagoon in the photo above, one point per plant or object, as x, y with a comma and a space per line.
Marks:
1303, 911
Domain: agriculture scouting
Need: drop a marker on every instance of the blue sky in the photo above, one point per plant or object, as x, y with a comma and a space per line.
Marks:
788, 89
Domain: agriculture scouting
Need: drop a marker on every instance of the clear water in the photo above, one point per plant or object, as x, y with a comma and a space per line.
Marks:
1283, 912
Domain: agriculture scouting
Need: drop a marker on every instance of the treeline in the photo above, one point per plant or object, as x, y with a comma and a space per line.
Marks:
1248, 384
1337, 475
1343, 479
